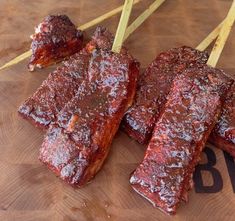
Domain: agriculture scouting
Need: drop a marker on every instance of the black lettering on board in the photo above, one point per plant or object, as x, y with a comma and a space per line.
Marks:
231, 168
217, 179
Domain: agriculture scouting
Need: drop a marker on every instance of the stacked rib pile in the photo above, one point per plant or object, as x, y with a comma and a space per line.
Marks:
82, 103
178, 103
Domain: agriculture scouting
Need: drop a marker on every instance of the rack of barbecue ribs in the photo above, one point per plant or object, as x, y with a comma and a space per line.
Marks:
62, 84
78, 142
153, 87
191, 111
223, 135
55, 38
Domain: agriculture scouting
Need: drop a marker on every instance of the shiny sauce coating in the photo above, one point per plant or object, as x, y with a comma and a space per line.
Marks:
153, 87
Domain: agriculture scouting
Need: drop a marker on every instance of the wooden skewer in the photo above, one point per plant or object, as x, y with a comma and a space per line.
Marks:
119, 37
103, 17
210, 38
138, 21
222, 37
82, 27
17, 59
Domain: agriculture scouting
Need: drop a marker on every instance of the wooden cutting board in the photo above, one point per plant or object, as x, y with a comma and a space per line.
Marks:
29, 192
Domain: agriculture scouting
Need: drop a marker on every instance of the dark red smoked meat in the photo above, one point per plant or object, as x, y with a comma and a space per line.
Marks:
189, 115
223, 135
61, 85
153, 88
55, 38
77, 144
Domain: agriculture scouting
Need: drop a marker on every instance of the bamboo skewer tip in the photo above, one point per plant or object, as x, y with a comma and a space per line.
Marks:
222, 37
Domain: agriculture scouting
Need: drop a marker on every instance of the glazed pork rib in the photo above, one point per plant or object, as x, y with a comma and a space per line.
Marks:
61, 85
77, 144
189, 115
55, 38
223, 135
154, 85
152, 91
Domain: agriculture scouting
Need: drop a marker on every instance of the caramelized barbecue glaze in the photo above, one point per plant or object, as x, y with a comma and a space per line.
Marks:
61, 85
153, 88
186, 120
55, 38
77, 144
223, 135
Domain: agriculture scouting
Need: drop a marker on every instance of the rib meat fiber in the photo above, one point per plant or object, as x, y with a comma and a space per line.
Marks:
186, 120
77, 144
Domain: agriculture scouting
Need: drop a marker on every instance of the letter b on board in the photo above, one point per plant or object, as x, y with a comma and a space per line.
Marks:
217, 184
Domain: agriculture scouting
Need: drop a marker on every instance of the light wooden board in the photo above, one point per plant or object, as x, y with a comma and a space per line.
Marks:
28, 191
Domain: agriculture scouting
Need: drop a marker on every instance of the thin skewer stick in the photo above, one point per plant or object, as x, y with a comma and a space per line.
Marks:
222, 37
103, 17
123, 22
17, 59
138, 21
82, 27
210, 38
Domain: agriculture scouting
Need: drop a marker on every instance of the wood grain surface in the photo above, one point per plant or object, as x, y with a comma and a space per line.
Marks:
28, 191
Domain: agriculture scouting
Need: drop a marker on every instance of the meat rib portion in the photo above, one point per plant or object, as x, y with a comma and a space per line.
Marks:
223, 135
77, 144
55, 38
190, 113
153, 88
152, 91
61, 85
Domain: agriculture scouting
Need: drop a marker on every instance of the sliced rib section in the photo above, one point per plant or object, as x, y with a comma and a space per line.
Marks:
77, 144
189, 115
